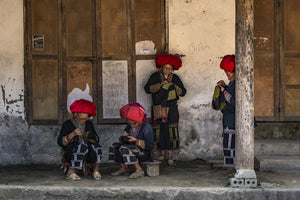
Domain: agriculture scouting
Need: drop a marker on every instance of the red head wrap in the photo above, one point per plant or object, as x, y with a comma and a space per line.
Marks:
228, 63
163, 59
134, 112
83, 106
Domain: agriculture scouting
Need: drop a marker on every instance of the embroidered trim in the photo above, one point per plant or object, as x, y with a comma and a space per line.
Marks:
227, 96
68, 139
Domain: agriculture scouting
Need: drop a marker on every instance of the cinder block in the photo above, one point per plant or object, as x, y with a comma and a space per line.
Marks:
250, 182
237, 182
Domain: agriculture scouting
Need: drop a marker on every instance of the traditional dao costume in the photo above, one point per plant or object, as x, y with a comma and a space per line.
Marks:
225, 101
81, 148
165, 114
141, 150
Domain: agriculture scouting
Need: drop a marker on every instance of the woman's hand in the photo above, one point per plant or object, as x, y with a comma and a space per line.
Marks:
124, 133
222, 85
162, 83
131, 139
77, 132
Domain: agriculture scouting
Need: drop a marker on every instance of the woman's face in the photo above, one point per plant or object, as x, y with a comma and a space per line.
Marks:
133, 124
167, 69
230, 76
82, 117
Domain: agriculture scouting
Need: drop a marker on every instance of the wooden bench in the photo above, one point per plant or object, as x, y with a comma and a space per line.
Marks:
152, 168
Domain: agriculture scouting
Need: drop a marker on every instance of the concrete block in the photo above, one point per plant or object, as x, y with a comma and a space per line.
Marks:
277, 147
237, 182
152, 168
250, 182
278, 163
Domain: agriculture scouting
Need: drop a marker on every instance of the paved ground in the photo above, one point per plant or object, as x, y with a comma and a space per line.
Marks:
185, 174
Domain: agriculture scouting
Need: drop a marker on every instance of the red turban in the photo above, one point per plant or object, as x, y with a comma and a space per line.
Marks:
228, 63
83, 106
134, 112
163, 59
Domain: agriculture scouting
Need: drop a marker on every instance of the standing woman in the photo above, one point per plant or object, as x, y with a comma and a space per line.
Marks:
224, 100
166, 87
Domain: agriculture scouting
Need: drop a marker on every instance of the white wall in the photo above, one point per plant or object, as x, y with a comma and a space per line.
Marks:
11, 58
203, 31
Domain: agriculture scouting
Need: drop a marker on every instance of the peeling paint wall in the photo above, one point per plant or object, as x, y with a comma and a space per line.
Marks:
202, 30
11, 58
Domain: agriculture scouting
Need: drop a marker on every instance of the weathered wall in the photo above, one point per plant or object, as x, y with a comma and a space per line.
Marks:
202, 30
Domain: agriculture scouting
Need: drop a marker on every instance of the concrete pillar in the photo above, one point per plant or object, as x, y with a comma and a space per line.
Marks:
244, 51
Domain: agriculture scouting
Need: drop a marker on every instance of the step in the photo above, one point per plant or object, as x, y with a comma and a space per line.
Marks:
278, 163
277, 147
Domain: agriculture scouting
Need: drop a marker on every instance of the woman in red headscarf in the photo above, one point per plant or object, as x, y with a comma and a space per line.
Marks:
166, 88
136, 141
79, 140
224, 100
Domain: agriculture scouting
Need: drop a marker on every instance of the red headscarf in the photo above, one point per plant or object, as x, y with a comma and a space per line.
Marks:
163, 59
228, 63
83, 106
134, 112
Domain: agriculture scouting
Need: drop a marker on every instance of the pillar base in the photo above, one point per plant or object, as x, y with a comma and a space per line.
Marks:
244, 178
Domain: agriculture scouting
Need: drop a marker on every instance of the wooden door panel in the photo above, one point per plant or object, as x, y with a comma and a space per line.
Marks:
44, 23
292, 71
78, 28
79, 80
264, 66
114, 28
78, 75
292, 26
292, 97
148, 22
290, 65
45, 89
264, 25
264, 86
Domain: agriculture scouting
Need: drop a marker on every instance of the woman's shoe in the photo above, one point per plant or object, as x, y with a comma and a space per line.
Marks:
171, 162
73, 177
97, 176
137, 174
121, 171
231, 173
161, 158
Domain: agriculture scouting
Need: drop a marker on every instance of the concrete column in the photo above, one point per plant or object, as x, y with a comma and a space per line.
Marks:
244, 51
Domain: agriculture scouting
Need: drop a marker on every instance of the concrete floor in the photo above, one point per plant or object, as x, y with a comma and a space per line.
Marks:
185, 174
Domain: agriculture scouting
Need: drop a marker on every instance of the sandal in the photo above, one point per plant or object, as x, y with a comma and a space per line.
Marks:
121, 171
171, 162
73, 177
97, 176
137, 174
231, 173
161, 158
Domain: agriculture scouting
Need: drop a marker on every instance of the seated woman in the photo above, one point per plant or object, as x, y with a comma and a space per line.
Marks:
136, 142
79, 140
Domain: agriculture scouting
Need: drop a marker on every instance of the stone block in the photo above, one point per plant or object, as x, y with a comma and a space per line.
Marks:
152, 168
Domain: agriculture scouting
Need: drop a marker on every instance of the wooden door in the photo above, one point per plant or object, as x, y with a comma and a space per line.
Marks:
277, 58
290, 60
90, 47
